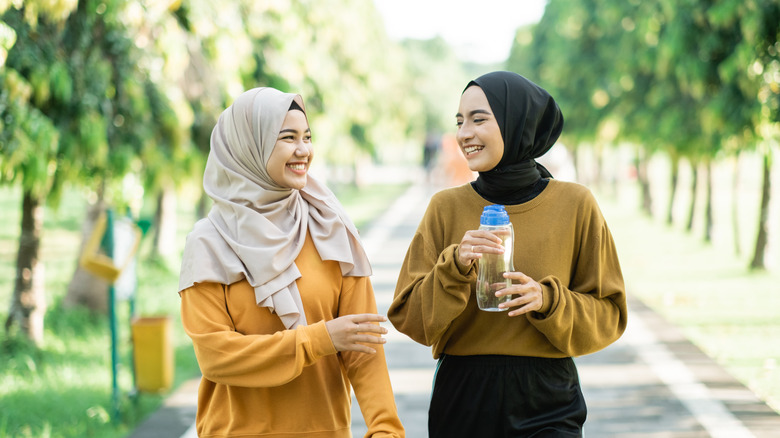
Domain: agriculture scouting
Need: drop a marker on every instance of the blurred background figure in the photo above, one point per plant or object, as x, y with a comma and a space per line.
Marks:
453, 168
431, 148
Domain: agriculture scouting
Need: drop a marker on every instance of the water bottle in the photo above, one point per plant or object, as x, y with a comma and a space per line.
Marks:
491, 267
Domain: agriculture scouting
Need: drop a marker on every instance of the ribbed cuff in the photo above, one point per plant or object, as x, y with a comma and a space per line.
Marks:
321, 343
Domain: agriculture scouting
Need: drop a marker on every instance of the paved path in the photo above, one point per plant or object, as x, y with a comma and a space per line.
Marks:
652, 383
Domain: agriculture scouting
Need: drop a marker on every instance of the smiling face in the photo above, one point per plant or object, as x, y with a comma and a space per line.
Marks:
292, 154
479, 135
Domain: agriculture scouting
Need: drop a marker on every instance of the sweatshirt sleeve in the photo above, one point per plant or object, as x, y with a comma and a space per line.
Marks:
432, 289
368, 373
228, 357
590, 313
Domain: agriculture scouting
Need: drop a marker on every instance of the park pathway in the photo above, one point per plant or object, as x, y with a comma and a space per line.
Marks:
652, 383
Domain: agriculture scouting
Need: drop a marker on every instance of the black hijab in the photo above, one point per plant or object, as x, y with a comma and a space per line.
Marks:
530, 123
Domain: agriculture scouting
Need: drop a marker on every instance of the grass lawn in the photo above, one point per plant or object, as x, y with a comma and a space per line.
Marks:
707, 290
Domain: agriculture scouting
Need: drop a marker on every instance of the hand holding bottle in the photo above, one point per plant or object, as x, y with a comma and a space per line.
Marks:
526, 291
492, 266
476, 242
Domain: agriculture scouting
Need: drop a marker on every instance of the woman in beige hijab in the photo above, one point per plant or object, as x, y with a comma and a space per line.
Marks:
275, 290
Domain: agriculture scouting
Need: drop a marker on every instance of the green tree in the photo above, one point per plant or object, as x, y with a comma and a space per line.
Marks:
349, 80
99, 93
695, 79
76, 111
759, 49
437, 77
566, 53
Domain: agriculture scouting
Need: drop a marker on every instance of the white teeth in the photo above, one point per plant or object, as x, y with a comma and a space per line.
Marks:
471, 149
296, 166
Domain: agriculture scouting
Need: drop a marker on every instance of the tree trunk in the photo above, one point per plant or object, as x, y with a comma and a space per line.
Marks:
600, 181
694, 189
575, 159
614, 182
673, 189
708, 205
85, 289
28, 304
735, 206
165, 223
762, 237
644, 181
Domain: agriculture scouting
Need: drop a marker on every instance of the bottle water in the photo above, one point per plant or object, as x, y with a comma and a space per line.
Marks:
491, 267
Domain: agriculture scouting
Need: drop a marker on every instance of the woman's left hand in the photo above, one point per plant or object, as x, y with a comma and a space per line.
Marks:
527, 292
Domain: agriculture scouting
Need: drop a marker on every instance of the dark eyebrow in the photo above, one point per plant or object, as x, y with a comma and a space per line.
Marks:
293, 131
476, 111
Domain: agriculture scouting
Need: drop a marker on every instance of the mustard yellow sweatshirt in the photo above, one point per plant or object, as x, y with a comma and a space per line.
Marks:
561, 241
261, 380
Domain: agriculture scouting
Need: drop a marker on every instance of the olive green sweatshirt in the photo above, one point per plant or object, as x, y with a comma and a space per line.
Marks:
561, 241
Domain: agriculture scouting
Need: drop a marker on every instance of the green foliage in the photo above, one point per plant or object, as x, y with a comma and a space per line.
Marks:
569, 35
138, 89
438, 78
684, 76
696, 79
82, 77
109, 95
28, 138
7, 40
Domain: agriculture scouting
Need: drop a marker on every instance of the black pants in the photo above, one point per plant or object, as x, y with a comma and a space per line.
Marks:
506, 396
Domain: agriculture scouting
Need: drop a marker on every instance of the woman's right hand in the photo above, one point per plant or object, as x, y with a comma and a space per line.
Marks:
475, 243
350, 332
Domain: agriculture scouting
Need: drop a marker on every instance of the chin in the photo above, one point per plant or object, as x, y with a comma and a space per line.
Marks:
299, 185
475, 167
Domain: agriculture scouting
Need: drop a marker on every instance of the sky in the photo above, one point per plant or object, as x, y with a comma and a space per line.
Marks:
479, 31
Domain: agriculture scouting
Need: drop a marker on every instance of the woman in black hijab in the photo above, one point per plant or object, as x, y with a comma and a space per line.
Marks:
530, 122
510, 373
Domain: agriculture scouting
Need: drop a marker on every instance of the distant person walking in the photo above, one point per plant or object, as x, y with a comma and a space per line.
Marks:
431, 148
453, 166
510, 373
275, 290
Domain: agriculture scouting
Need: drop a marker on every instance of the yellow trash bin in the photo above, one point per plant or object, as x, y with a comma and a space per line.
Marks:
152, 353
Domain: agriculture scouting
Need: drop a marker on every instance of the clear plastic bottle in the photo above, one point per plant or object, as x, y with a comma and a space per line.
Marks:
491, 267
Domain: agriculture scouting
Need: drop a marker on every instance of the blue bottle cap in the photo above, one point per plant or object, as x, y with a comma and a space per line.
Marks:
494, 215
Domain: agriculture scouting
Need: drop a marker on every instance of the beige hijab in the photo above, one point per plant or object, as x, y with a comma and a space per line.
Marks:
256, 228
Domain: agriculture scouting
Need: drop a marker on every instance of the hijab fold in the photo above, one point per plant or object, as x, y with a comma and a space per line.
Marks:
256, 228
530, 123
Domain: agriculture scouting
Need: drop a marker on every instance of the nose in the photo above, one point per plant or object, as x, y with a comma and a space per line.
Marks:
464, 133
303, 149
